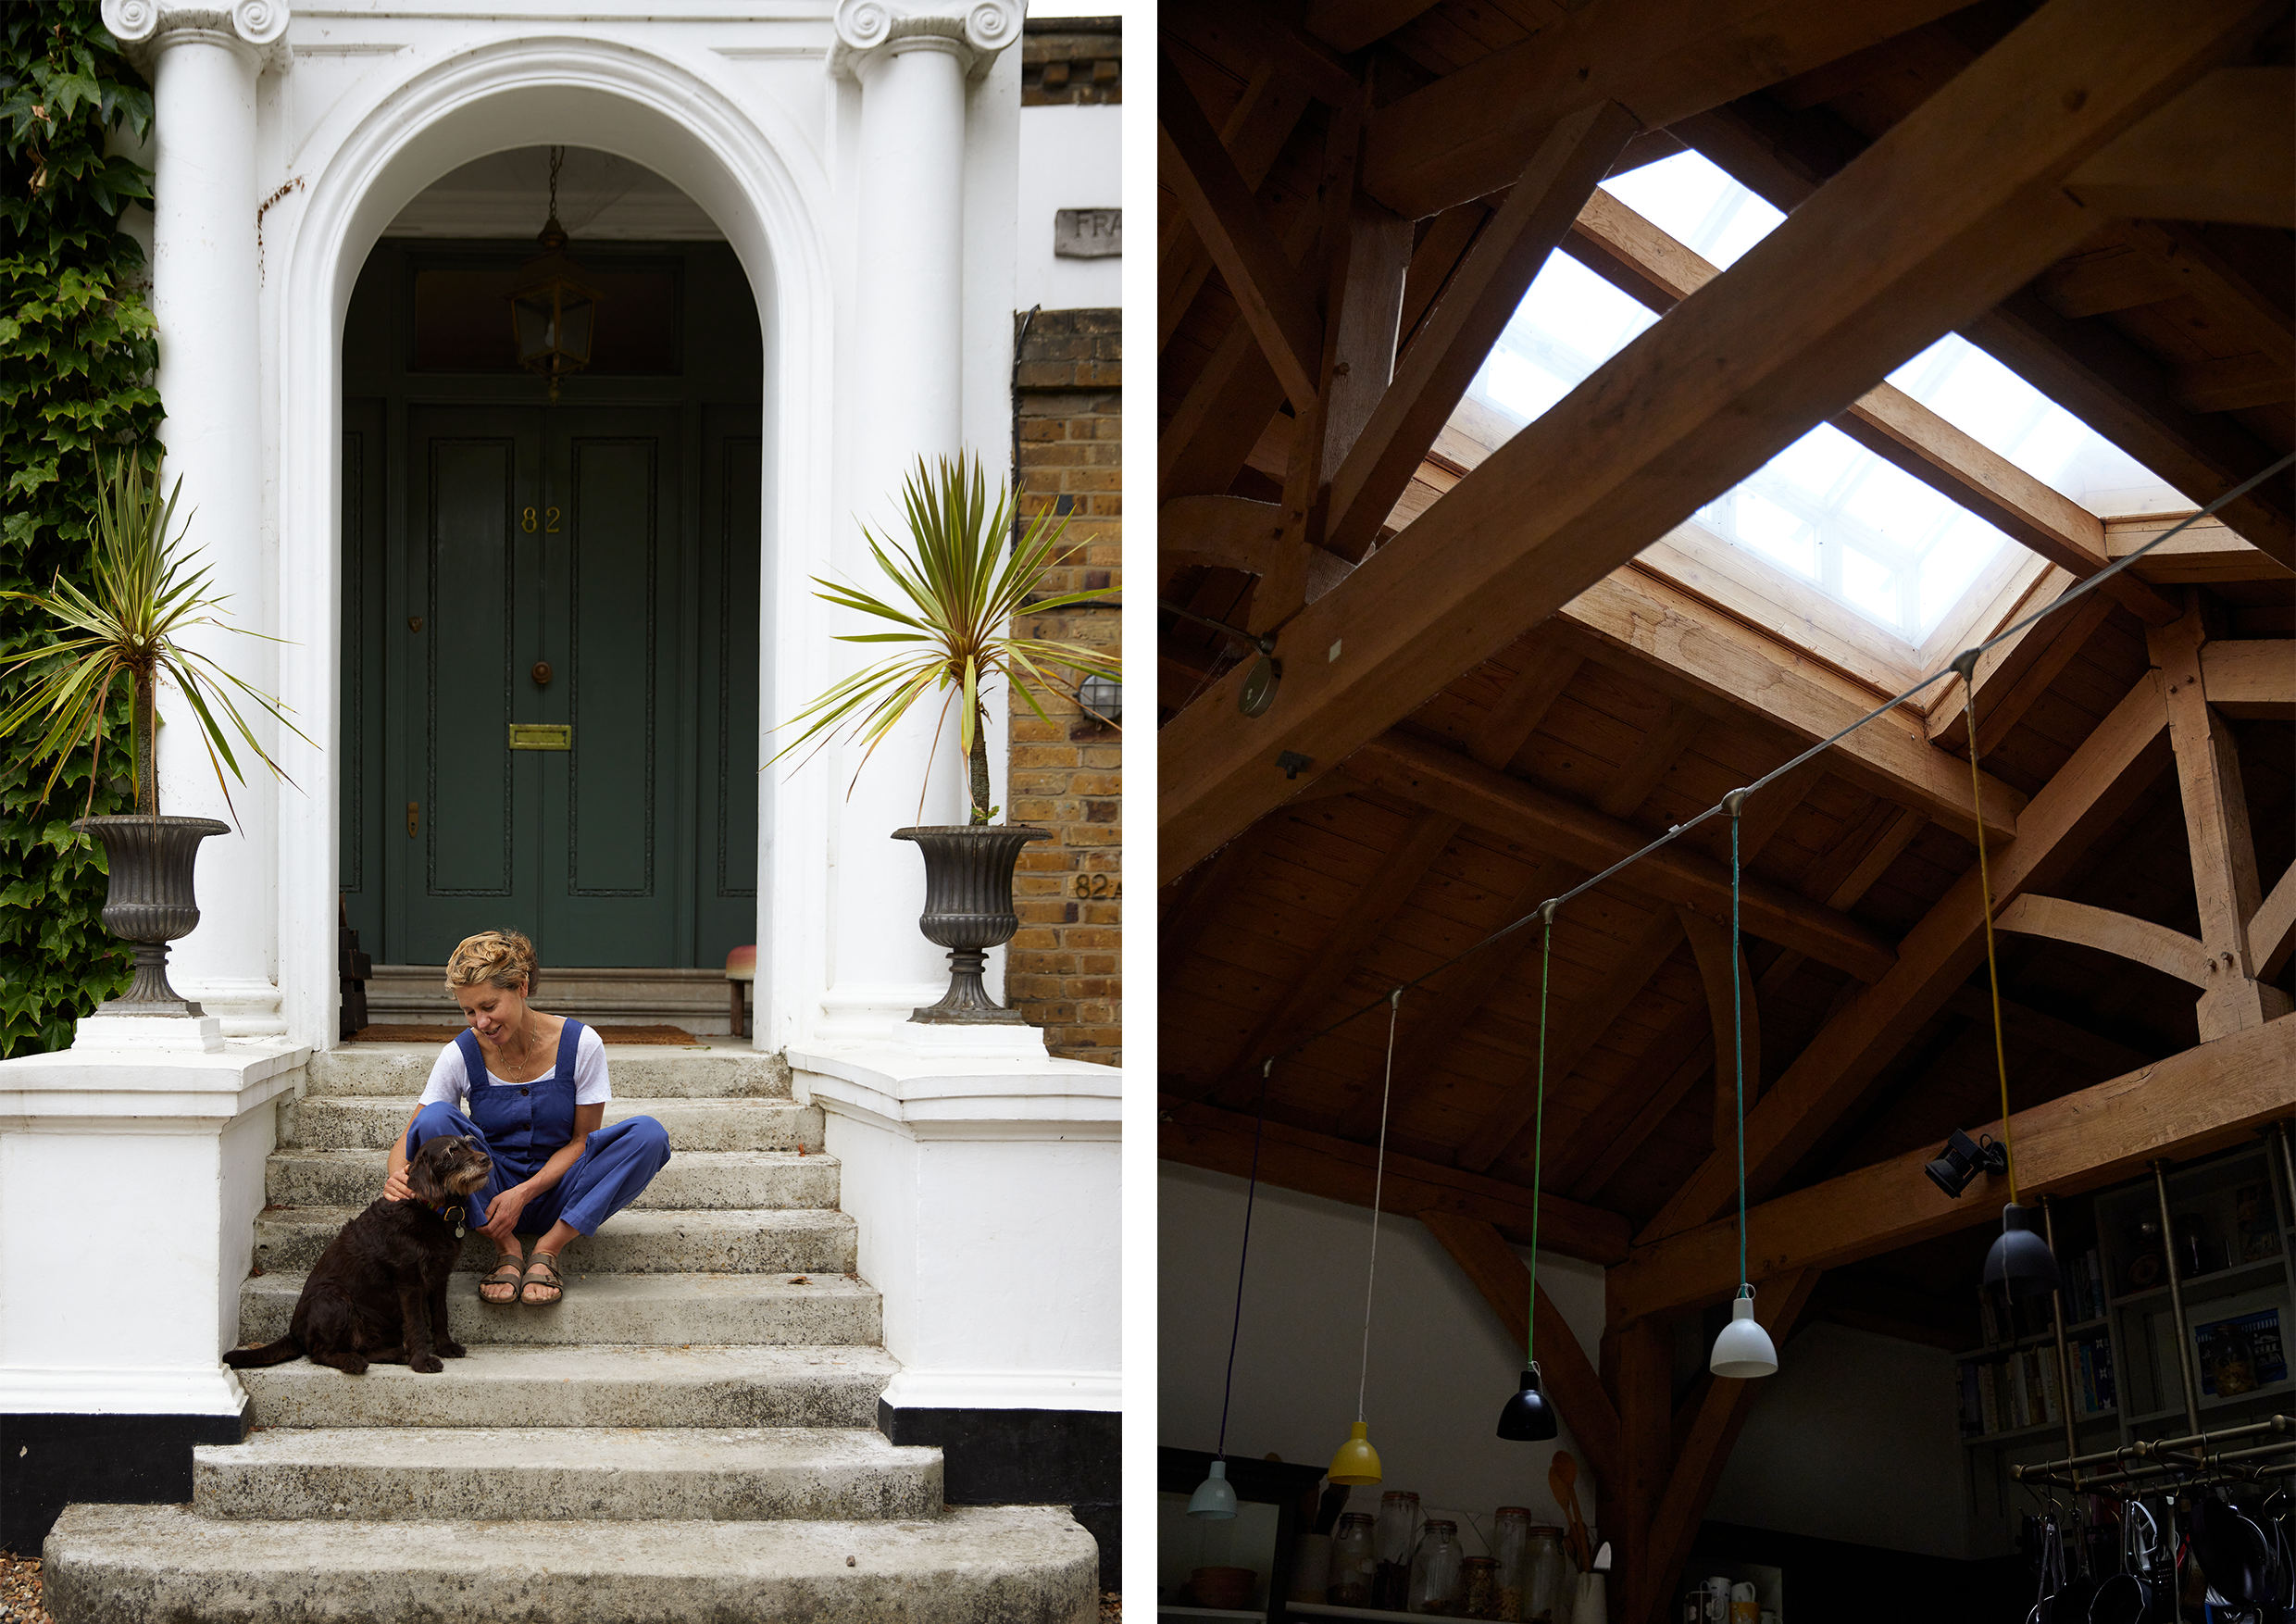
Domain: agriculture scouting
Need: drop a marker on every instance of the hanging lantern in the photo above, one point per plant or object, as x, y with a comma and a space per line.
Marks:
553, 313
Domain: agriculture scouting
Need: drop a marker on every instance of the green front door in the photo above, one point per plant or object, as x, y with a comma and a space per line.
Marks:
540, 738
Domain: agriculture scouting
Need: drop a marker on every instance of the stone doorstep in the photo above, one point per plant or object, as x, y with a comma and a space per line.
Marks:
634, 1241
371, 1122
567, 1474
728, 1180
637, 1072
1004, 1563
634, 1310
579, 1386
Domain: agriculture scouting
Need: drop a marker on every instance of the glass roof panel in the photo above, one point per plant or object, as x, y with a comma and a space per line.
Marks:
2000, 410
1693, 201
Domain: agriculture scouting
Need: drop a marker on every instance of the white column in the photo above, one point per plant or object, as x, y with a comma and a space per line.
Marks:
203, 62
903, 371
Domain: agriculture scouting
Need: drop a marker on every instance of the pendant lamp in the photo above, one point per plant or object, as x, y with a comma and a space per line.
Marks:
1214, 1498
1355, 1463
1743, 1350
1527, 1416
2020, 1261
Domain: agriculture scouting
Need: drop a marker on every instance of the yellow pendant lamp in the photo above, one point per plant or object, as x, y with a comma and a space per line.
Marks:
1355, 1463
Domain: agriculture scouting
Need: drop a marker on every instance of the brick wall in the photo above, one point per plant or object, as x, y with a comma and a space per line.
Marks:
1062, 970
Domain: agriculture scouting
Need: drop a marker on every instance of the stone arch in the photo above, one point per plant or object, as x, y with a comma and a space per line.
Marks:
371, 153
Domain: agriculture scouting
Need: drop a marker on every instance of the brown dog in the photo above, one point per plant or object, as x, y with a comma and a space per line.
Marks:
377, 1293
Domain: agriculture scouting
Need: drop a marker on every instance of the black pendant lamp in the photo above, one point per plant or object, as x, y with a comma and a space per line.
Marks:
2020, 1261
1528, 1417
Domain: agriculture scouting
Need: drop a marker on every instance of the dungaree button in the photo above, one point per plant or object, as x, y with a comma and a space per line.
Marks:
522, 1090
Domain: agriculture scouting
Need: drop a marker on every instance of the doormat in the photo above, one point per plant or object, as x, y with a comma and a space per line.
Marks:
665, 1036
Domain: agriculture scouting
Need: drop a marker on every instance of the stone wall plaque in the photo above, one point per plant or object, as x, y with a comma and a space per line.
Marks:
1088, 234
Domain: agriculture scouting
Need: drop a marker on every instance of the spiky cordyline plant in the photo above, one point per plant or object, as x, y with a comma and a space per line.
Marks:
144, 599
963, 588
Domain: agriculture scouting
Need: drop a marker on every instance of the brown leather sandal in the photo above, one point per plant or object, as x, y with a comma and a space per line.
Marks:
542, 1273
510, 1270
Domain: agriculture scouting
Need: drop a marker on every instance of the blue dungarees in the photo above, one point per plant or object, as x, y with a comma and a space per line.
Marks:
520, 1125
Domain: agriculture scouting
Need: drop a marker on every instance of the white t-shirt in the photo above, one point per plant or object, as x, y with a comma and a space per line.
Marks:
450, 1077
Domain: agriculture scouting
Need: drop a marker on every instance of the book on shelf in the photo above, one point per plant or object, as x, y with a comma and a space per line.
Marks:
2240, 1353
2046, 1384
2101, 1367
1989, 1389
1989, 1317
1966, 1394
2256, 1230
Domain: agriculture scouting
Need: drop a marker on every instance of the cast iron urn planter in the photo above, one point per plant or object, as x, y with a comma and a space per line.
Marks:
150, 901
969, 909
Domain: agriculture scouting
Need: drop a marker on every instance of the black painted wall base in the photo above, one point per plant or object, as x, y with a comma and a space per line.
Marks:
46, 1462
1028, 1457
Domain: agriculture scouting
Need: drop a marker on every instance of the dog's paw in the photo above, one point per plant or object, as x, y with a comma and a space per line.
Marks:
427, 1365
352, 1368
452, 1350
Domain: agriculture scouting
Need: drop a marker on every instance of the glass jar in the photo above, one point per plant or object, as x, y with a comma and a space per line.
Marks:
1435, 1570
1548, 1593
1510, 1547
1397, 1532
1353, 1562
1479, 1588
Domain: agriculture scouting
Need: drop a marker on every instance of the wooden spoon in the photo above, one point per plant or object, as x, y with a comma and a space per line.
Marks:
1563, 1481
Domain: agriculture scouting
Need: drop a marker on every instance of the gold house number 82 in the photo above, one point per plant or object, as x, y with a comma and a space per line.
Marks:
550, 517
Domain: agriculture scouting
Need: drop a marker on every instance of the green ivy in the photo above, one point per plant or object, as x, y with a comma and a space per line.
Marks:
77, 353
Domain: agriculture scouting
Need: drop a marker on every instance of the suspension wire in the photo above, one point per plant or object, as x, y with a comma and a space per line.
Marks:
1968, 657
1736, 803
1538, 1145
1992, 966
1378, 1177
1251, 1193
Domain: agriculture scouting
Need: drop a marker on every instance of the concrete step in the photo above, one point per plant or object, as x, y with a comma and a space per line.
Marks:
972, 1565
638, 1070
407, 1474
632, 1241
638, 1310
577, 1386
737, 1180
372, 1122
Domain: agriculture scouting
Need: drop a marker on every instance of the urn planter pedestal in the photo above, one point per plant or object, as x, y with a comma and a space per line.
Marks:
969, 909
151, 903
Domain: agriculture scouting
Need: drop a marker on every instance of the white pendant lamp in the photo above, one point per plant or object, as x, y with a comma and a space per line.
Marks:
1744, 1349
1215, 1499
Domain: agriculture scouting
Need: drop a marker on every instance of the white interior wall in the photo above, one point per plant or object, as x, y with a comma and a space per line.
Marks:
1855, 1438
1441, 1366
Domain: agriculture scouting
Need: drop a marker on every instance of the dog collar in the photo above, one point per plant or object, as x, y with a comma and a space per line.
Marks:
450, 1214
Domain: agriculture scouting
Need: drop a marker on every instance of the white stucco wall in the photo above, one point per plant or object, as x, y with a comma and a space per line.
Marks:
1069, 159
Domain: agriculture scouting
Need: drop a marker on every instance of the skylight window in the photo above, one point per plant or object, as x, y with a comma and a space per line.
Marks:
1698, 205
2005, 414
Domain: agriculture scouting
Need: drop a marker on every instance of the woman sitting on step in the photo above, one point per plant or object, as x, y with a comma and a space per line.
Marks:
530, 1089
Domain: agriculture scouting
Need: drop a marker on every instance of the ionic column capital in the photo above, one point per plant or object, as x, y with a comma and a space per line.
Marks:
145, 28
866, 29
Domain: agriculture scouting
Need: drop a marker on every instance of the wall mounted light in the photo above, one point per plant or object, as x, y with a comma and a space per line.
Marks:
1962, 1158
1102, 697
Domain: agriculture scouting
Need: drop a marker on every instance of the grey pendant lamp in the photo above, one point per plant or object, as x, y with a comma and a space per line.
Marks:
1214, 1498
1527, 1416
1744, 1351
2020, 1261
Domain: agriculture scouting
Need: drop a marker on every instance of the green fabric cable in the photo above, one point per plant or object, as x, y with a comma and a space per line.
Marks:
1738, 1038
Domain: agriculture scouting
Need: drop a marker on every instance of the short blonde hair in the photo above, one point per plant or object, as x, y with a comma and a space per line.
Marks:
499, 958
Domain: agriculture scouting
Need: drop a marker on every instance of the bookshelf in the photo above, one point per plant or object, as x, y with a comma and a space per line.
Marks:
2239, 1311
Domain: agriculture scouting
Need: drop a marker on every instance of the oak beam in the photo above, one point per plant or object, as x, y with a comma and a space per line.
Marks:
1638, 1363
2011, 676
2255, 679
1349, 25
1571, 1382
1255, 134
2272, 933
1947, 212
2188, 1105
1474, 308
1454, 785
1666, 60
1735, 1053
1236, 232
2225, 150
1315, 1164
1664, 627
2115, 765
2171, 951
